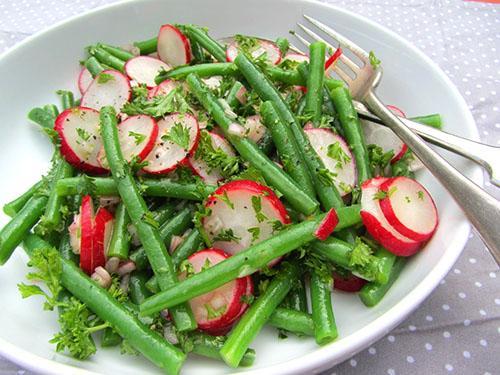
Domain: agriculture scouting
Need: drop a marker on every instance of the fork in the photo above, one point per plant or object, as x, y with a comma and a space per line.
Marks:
482, 210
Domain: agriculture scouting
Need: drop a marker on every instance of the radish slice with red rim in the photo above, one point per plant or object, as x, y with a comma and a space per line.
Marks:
264, 46
144, 69
78, 129
242, 213
336, 156
211, 176
327, 225
173, 46
103, 230
219, 307
84, 80
163, 88
87, 234
177, 139
109, 87
377, 225
137, 136
409, 208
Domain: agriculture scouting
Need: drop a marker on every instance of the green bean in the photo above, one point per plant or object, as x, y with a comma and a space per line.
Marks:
160, 187
150, 344
120, 240
232, 96
13, 207
246, 262
175, 226
433, 120
314, 95
339, 252
104, 57
352, 130
66, 250
257, 315
67, 99
110, 338
296, 298
251, 153
203, 39
14, 231
283, 44
94, 66
293, 321
199, 56
202, 70
137, 288
326, 191
288, 149
139, 214
191, 244
209, 346
372, 293
148, 46
386, 261
289, 77
116, 51
52, 216
325, 329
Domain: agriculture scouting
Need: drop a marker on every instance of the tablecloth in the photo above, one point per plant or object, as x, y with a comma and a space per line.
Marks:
457, 329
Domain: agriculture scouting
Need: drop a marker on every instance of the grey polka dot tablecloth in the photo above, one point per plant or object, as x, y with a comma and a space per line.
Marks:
457, 329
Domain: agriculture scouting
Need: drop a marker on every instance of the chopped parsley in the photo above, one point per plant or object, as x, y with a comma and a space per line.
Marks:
257, 207
216, 158
225, 198
149, 218
361, 254
103, 78
206, 265
381, 194
178, 134
186, 267
255, 232
420, 195
336, 153
374, 61
326, 177
214, 313
379, 159
246, 43
139, 138
226, 235
83, 134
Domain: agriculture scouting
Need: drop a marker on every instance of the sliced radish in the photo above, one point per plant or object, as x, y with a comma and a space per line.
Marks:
75, 233
163, 88
177, 139
78, 129
336, 156
144, 69
297, 57
109, 87
217, 308
173, 46
242, 213
409, 208
269, 48
137, 136
397, 111
103, 229
255, 130
241, 95
377, 225
327, 225
84, 80
87, 234
332, 59
213, 82
347, 283
200, 167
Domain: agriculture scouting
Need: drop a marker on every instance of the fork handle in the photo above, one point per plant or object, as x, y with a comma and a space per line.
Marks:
481, 209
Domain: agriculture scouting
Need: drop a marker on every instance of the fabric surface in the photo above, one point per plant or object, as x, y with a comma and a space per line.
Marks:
457, 329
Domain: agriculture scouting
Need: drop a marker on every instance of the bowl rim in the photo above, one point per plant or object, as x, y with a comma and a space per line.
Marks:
319, 359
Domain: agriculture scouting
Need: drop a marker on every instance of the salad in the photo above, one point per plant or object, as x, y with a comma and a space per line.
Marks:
201, 189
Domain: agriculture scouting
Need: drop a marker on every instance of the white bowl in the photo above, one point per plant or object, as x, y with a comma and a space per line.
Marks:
36, 68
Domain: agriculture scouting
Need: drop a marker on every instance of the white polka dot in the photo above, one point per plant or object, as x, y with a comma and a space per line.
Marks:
457, 271
353, 362
391, 338
472, 260
493, 274
478, 284
467, 322
446, 307
483, 342
428, 346
429, 318
482, 312
466, 354
446, 334
497, 301
410, 359
412, 328
391, 371
448, 367
372, 350
462, 295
